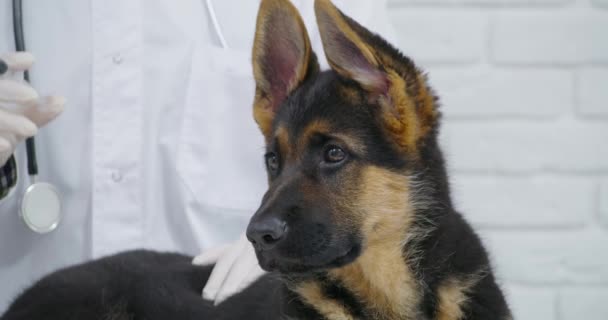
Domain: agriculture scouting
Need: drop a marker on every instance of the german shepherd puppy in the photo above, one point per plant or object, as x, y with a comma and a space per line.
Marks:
357, 222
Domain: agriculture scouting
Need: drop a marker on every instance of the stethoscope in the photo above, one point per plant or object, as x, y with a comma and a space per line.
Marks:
41, 205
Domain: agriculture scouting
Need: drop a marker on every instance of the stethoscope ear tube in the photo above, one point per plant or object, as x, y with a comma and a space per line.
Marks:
216, 24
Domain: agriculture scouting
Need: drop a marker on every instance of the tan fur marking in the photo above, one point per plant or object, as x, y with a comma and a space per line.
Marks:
400, 115
422, 113
324, 127
314, 127
282, 136
330, 309
380, 276
263, 114
427, 110
452, 295
350, 94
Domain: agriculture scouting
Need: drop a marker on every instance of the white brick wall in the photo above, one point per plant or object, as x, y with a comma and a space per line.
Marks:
603, 207
512, 92
583, 303
524, 91
593, 91
549, 38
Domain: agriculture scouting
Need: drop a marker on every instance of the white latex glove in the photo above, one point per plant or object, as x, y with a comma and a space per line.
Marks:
236, 267
22, 112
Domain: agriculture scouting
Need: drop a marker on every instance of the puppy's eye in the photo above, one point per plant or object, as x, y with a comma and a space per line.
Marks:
334, 154
272, 162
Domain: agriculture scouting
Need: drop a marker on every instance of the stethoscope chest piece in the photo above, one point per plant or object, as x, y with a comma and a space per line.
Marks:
41, 207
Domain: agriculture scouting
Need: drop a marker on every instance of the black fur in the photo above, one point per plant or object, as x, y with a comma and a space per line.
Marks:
147, 285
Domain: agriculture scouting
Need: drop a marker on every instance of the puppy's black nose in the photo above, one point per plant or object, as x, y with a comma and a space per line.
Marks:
266, 233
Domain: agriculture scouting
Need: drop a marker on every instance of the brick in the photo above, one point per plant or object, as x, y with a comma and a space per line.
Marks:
593, 91
583, 303
549, 257
475, 92
550, 38
525, 146
530, 303
538, 201
603, 203
501, 3
433, 36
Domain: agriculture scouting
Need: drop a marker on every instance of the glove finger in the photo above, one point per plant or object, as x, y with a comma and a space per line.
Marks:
255, 272
234, 276
5, 146
11, 138
44, 111
17, 124
16, 92
244, 272
220, 271
210, 256
18, 61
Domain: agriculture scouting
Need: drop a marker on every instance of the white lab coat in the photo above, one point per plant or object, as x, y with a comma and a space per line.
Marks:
157, 147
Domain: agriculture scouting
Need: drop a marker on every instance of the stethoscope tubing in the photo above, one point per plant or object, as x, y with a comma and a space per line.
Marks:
30, 143
216, 24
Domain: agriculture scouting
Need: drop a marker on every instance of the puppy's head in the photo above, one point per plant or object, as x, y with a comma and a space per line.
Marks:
341, 144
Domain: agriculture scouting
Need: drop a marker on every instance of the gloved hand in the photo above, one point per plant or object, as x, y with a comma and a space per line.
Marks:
22, 112
236, 267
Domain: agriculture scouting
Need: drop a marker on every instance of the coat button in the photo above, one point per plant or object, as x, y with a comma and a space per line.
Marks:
117, 176
117, 58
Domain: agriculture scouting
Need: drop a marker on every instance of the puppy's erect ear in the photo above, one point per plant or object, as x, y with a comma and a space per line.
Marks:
346, 52
282, 58
391, 80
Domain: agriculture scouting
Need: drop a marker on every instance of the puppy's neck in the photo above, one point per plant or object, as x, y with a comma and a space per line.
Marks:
378, 285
